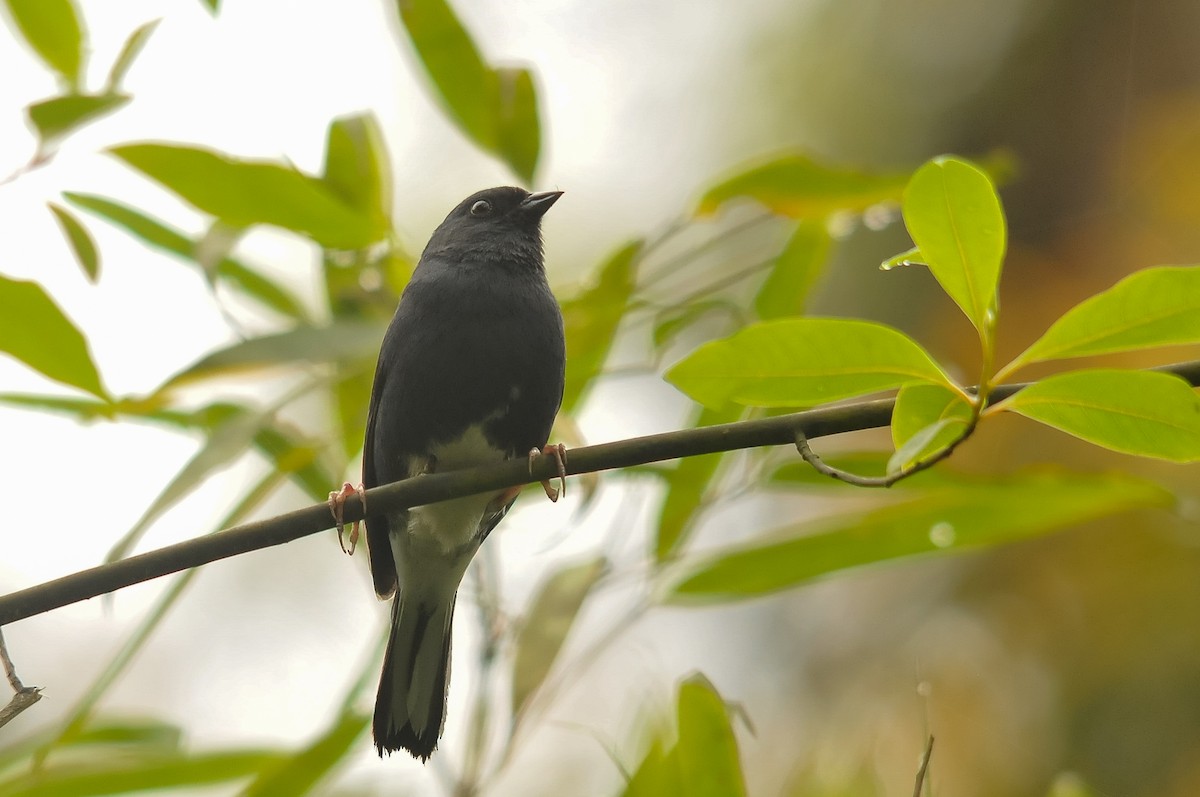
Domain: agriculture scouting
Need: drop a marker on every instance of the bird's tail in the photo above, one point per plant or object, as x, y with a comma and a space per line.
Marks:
410, 708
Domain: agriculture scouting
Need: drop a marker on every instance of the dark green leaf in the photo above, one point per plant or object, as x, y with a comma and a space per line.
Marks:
707, 749
299, 773
955, 219
495, 108
341, 340
518, 129
129, 53
591, 318
1145, 413
547, 625
357, 167
242, 193
795, 185
687, 485
1153, 307
82, 245
52, 28
231, 272
792, 276
801, 362
954, 517
58, 116
36, 332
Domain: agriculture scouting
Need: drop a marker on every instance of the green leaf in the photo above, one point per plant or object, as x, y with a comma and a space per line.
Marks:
341, 340
58, 116
229, 271
1153, 307
911, 257
671, 321
52, 28
82, 245
955, 219
357, 167
792, 277
242, 193
918, 409
800, 362
1144, 413
656, 775
687, 485
301, 772
591, 318
104, 775
707, 749
129, 52
212, 5
495, 108
797, 186
960, 516
226, 442
547, 625
36, 332
518, 127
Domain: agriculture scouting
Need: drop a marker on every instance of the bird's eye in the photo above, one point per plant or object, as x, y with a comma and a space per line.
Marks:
481, 208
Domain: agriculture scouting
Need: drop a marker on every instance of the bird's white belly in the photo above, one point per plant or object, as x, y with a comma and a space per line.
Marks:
454, 523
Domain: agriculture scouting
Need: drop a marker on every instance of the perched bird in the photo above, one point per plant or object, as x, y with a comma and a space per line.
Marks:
470, 372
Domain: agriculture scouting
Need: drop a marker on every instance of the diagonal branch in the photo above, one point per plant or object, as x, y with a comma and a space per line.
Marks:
777, 431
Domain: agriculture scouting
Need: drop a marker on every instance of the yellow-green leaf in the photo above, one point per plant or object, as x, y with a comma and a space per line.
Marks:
242, 193
36, 332
944, 517
58, 116
357, 166
795, 185
955, 219
547, 625
53, 29
1145, 413
591, 318
82, 245
801, 362
794, 273
1153, 307
920, 407
707, 749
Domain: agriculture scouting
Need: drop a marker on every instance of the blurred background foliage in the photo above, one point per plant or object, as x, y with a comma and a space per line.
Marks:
1045, 664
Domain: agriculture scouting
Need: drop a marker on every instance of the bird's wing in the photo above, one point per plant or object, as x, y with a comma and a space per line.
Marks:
379, 547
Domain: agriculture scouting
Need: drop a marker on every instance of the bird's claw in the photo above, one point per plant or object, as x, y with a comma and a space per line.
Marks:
559, 452
337, 506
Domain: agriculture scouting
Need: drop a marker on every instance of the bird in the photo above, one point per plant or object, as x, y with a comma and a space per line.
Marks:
470, 372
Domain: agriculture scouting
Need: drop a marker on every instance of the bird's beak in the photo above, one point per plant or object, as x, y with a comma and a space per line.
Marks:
535, 205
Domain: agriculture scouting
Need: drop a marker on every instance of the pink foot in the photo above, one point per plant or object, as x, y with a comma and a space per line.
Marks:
337, 505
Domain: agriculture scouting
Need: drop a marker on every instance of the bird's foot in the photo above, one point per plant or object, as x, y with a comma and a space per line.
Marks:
559, 452
337, 507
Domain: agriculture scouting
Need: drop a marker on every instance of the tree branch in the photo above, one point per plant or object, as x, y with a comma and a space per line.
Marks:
431, 488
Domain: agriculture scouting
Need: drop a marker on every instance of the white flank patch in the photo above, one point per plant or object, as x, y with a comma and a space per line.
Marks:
453, 523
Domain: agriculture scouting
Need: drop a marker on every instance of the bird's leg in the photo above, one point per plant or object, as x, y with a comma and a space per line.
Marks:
559, 452
337, 506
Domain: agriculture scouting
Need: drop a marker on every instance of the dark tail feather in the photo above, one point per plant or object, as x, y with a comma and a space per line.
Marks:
410, 708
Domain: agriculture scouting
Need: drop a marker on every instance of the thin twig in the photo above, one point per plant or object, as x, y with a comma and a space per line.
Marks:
924, 767
24, 696
434, 487
822, 467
